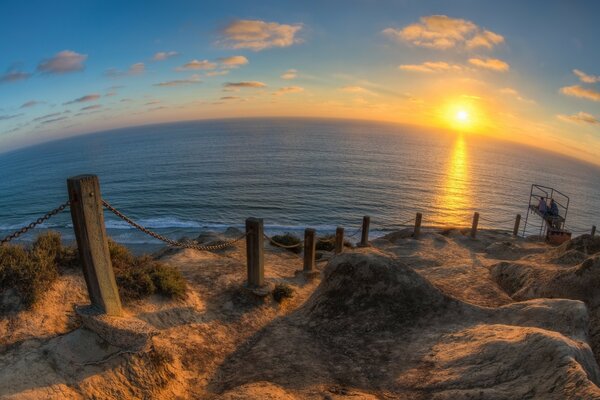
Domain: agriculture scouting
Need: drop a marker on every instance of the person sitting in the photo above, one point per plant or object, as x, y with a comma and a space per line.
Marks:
543, 206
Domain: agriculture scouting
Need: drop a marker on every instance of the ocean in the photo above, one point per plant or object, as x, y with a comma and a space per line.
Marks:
183, 178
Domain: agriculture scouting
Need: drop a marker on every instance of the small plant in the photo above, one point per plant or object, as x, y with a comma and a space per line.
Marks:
282, 291
288, 240
326, 243
139, 277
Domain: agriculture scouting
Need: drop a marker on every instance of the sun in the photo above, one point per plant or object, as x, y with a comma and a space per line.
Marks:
462, 116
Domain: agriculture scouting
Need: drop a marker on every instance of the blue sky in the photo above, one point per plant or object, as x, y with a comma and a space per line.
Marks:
89, 66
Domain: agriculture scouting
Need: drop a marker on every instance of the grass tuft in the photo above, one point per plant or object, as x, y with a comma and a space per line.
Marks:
289, 240
282, 291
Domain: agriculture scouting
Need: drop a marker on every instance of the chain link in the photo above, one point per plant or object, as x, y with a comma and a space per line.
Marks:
283, 246
35, 223
167, 240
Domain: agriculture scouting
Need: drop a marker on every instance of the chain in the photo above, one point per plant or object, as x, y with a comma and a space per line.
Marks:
167, 240
283, 246
355, 233
32, 225
496, 222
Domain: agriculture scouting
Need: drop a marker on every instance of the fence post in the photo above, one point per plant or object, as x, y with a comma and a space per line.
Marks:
255, 252
364, 239
418, 220
339, 240
593, 230
517, 223
309, 249
92, 243
475, 223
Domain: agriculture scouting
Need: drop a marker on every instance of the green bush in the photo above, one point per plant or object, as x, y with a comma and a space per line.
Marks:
288, 240
139, 277
282, 291
29, 272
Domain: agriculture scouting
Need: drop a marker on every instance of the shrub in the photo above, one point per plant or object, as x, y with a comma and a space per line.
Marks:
139, 277
282, 291
288, 240
30, 271
326, 243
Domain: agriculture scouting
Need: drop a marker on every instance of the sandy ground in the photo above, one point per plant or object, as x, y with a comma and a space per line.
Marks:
442, 317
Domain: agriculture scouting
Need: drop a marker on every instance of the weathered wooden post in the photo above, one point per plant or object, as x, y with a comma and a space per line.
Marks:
475, 223
418, 220
255, 258
339, 240
364, 238
517, 223
310, 245
593, 230
92, 243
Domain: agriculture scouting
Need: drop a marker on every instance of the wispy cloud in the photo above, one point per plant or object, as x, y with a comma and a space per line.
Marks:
493, 64
583, 77
290, 74
84, 99
179, 82
288, 89
94, 107
233, 61
63, 62
581, 92
30, 103
5, 117
245, 84
164, 55
230, 98
515, 93
13, 76
258, 35
430, 67
357, 90
443, 32
197, 65
217, 73
580, 117
134, 69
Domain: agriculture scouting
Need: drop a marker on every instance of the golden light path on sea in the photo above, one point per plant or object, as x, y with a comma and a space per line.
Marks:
454, 200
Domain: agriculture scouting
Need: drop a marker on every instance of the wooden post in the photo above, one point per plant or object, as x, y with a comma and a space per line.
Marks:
255, 259
364, 239
339, 240
517, 223
475, 223
593, 230
310, 245
418, 220
88, 223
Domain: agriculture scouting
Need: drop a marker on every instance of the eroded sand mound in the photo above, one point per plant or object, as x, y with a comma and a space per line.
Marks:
354, 332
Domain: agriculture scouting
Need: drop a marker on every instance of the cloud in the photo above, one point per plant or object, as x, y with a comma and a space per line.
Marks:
5, 117
583, 77
443, 32
63, 62
259, 35
13, 76
288, 89
94, 107
245, 84
290, 74
430, 67
514, 93
196, 65
233, 61
580, 117
163, 55
179, 82
30, 103
493, 64
134, 69
356, 89
581, 92
230, 98
49, 121
83, 99
47, 116
217, 73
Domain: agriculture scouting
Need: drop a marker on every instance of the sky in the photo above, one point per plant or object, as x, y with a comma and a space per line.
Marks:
524, 71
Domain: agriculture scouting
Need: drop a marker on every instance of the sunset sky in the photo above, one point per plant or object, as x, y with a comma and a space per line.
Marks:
522, 71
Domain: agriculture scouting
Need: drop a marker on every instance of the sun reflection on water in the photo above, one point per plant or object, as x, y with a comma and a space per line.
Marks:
454, 201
